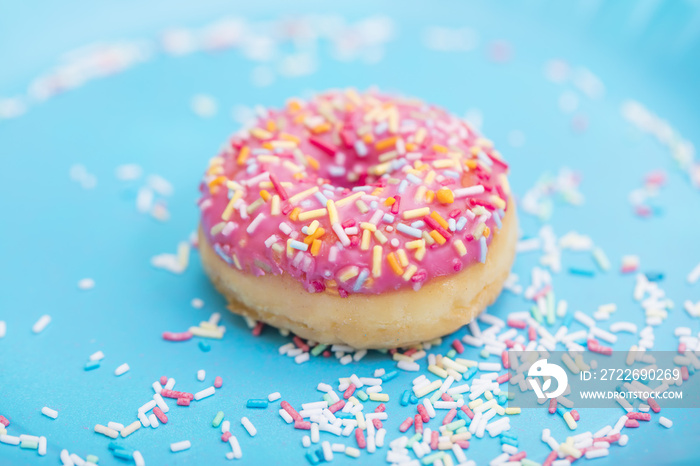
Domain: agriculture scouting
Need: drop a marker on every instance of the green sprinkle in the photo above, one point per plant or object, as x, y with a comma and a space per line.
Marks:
484, 353
435, 396
550, 308
92, 459
527, 462
461, 429
601, 259
217, 419
416, 438
430, 459
327, 398
451, 353
535, 311
318, 349
29, 444
361, 395
454, 425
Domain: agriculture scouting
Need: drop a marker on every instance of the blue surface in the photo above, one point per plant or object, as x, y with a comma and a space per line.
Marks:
54, 232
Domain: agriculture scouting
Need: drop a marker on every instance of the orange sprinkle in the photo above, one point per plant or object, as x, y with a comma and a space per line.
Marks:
268, 145
298, 176
471, 164
438, 218
271, 126
313, 162
243, 155
389, 201
386, 143
368, 138
429, 195
487, 232
440, 148
394, 263
299, 119
316, 247
265, 195
322, 128
377, 192
437, 237
217, 181
289, 137
294, 214
445, 196
317, 234
293, 105
410, 147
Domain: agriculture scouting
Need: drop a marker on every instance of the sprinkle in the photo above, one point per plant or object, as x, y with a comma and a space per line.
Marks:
121, 369
483, 248
667, 423
217, 419
256, 404
100, 429
273, 397
468, 191
97, 356
218, 381
41, 324
86, 284
180, 446
408, 230
130, 429
209, 391
416, 213
46, 411
249, 427
694, 275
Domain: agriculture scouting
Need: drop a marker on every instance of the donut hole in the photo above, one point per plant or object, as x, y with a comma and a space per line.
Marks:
349, 170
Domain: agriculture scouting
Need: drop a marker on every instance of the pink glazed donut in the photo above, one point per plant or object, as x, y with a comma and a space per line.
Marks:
365, 219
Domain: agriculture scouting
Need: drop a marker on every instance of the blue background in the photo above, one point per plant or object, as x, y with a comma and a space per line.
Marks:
53, 232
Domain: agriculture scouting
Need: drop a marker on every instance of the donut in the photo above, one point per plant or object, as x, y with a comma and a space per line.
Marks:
364, 219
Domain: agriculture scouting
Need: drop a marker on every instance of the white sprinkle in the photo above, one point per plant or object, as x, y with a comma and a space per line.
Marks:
249, 426
138, 458
121, 369
666, 422
302, 358
52, 413
3, 328
204, 106
197, 303
116, 426
201, 375
9, 439
204, 393
694, 274
41, 324
86, 284
42, 446
169, 384
97, 356
273, 397
179, 446
235, 446
128, 172
147, 406
153, 420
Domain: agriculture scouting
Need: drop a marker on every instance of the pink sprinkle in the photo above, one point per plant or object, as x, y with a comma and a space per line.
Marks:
631, 423
218, 381
395, 206
518, 456
418, 424
681, 348
406, 424
337, 406
454, 213
350, 390
257, 330
278, 187
446, 397
550, 458
183, 401
575, 415
466, 410
225, 436
503, 378
291, 411
463, 444
377, 423
175, 394
639, 416
423, 413
516, 323
653, 405
360, 437
300, 344
532, 334
380, 409
329, 149
172, 336
504, 360
458, 346
434, 439
684, 373
449, 416
348, 223
545, 289
552, 406
160, 415
302, 425
163, 380
4, 421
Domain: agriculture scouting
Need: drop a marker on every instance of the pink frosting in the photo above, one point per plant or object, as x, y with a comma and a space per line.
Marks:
354, 193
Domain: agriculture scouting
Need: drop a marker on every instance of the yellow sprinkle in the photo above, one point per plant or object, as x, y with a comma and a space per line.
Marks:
316, 247
438, 218
466, 362
312, 227
420, 135
380, 237
273, 159
512, 410
378, 397
460, 247
416, 213
349, 199
313, 162
332, 212
216, 229
348, 273
440, 148
243, 155
570, 421
309, 214
368, 226
361, 206
394, 264
388, 156
302, 195
236, 262
430, 177
410, 272
439, 371
377, 261
424, 390
428, 239
498, 202
360, 420
403, 258
226, 215
260, 133
354, 401
450, 364
438, 237
255, 205
488, 395
475, 403
444, 163
415, 244
366, 237
275, 205
420, 194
